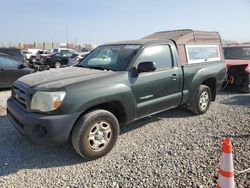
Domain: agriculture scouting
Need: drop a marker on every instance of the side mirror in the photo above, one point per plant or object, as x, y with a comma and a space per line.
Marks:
74, 55
147, 66
21, 66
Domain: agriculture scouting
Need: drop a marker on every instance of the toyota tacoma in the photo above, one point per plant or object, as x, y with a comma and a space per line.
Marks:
116, 84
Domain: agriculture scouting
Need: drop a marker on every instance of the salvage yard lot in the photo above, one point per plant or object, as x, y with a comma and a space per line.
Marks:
170, 149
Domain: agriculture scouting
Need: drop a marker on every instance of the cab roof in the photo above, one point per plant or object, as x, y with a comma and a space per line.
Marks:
135, 42
183, 36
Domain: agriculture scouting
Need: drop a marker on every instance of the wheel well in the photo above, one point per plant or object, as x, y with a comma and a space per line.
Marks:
114, 107
211, 83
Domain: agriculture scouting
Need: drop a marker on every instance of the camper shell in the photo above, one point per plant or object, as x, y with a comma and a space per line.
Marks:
185, 37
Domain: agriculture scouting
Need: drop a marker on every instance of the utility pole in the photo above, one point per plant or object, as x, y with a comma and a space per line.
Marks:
75, 43
67, 39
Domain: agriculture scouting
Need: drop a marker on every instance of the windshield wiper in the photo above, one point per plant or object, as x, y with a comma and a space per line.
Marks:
94, 67
99, 68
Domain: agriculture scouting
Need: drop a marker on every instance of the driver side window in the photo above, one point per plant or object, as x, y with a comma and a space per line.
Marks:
7, 62
160, 55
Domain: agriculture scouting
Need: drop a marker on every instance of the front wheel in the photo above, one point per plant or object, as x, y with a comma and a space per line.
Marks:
95, 134
57, 65
33, 59
202, 101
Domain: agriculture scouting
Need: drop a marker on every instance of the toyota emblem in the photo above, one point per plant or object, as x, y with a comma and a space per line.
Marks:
17, 95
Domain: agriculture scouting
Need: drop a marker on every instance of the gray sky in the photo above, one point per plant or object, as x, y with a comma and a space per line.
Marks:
96, 21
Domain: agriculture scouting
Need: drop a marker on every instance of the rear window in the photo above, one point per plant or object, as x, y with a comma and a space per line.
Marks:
202, 53
237, 53
64, 51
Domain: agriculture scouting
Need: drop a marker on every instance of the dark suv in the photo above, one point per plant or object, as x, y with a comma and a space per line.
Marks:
13, 52
58, 59
11, 69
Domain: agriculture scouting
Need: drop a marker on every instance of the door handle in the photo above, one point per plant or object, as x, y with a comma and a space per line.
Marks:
174, 77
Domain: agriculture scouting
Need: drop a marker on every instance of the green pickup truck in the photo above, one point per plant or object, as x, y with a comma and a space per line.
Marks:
116, 84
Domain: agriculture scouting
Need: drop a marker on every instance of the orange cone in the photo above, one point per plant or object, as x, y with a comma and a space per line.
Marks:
226, 171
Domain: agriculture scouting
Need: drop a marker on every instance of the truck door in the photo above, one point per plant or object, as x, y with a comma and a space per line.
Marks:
161, 89
65, 57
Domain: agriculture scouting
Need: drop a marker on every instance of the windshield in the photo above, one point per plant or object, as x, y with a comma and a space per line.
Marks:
237, 53
110, 57
54, 50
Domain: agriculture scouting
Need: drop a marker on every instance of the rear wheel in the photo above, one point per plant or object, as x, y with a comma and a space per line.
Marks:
33, 59
202, 101
95, 134
57, 65
246, 88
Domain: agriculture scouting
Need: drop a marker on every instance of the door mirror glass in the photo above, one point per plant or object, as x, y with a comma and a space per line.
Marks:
73, 55
21, 66
147, 66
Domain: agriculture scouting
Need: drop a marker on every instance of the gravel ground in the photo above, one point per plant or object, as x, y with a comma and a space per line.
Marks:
3, 97
170, 149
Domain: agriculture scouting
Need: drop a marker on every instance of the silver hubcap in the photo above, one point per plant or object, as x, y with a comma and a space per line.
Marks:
99, 135
204, 99
57, 65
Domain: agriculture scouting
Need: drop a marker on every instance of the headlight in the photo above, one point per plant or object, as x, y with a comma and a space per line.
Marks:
47, 101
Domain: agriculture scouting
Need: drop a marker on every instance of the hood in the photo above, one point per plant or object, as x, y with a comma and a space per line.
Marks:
59, 78
235, 62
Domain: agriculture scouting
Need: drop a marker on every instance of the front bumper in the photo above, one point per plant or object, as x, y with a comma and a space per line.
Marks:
38, 128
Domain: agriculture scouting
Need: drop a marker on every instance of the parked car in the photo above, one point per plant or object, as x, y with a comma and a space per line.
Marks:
32, 57
59, 59
55, 50
15, 52
41, 53
28, 55
33, 50
116, 84
38, 66
83, 52
237, 57
11, 68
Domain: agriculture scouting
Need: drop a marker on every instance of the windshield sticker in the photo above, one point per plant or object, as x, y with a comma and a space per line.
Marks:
134, 47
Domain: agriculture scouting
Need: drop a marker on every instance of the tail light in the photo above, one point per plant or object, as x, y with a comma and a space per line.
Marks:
247, 69
43, 58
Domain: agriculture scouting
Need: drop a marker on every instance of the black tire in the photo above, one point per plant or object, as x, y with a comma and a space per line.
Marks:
246, 88
81, 139
201, 104
58, 65
33, 59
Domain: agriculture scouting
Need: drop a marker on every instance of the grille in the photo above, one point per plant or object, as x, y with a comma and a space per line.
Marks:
20, 95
